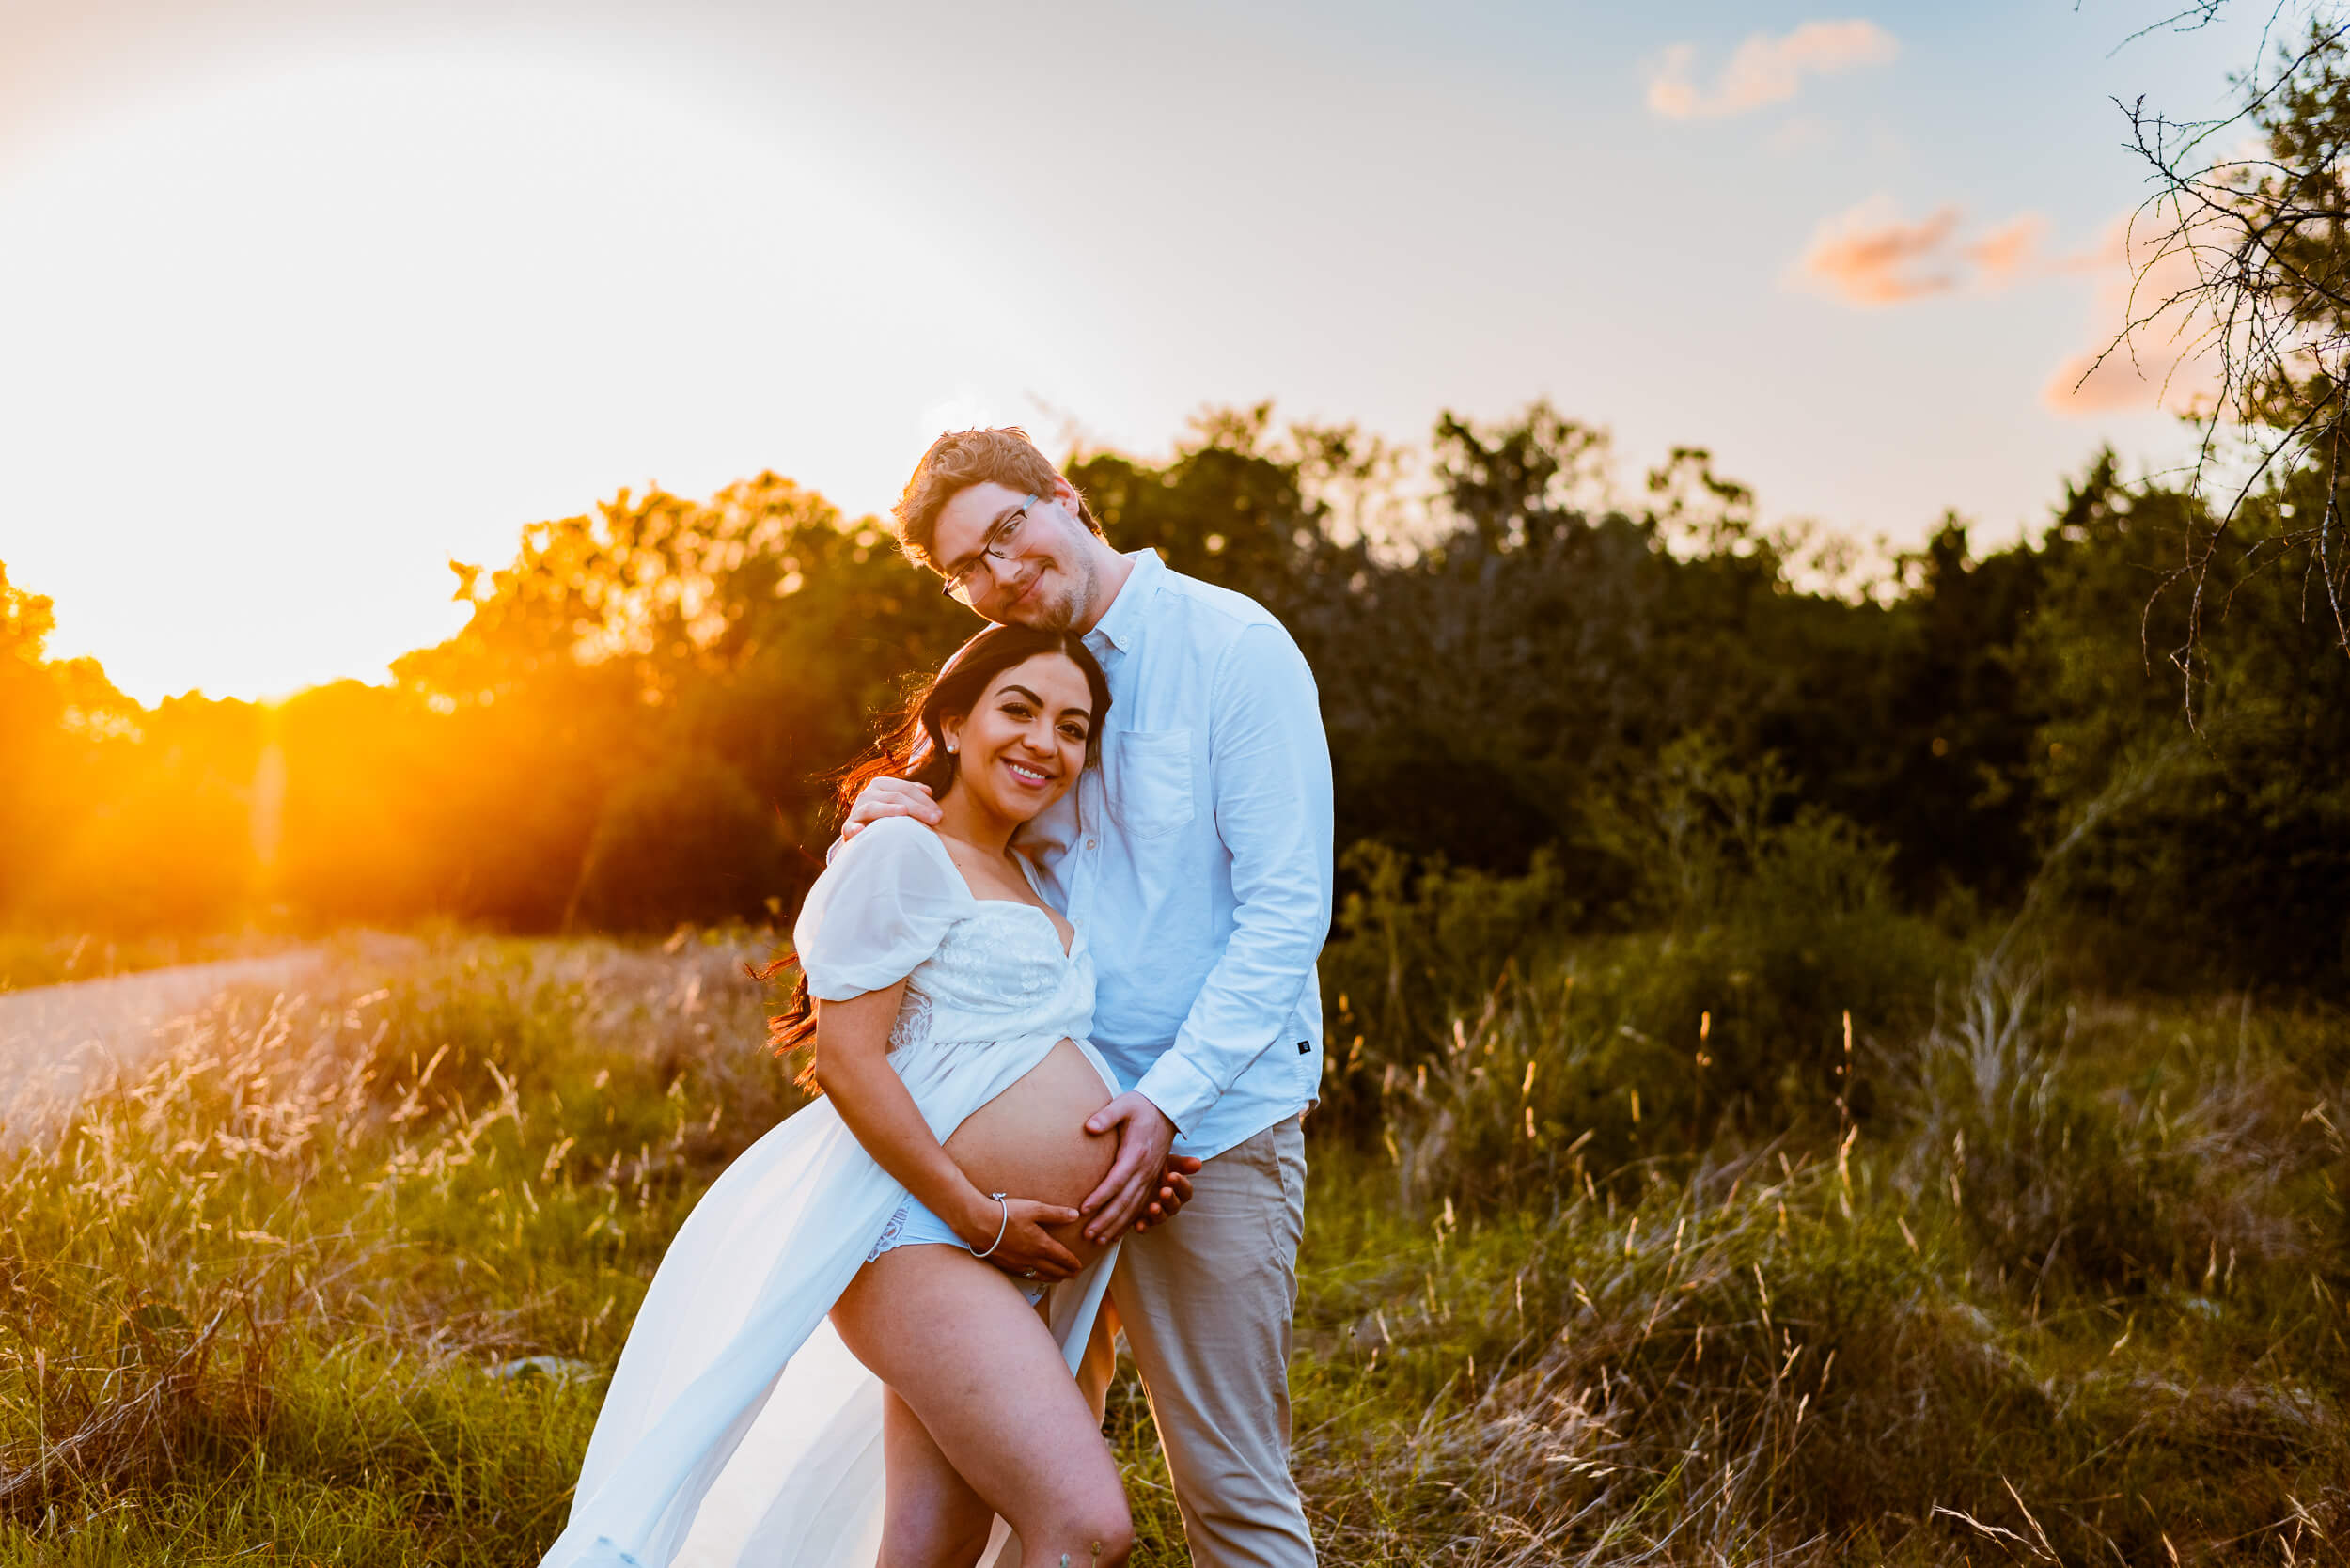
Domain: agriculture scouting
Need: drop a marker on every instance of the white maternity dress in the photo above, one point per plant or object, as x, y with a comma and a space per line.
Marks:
738, 1429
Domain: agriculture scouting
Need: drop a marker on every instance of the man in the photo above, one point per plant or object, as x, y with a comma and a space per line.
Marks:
1199, 860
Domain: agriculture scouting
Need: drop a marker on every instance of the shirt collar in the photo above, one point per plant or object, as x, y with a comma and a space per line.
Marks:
1121, 624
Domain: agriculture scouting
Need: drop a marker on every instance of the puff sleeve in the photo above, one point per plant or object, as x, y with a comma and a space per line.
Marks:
879, 910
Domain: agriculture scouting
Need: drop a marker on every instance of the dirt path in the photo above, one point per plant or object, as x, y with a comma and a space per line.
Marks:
55, 1040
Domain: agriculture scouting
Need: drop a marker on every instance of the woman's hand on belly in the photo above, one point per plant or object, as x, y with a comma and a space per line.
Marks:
1031, 1242
1030, 1140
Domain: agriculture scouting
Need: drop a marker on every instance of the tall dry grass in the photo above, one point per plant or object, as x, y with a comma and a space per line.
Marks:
2063, 1285
274, 1298
336, 1279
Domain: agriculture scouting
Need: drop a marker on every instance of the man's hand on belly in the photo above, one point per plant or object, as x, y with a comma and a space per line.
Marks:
1144, 1136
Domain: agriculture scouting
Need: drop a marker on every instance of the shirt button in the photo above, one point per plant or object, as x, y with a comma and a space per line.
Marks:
1089, 843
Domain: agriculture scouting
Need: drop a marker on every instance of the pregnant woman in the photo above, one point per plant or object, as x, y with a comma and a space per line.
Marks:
862, 1340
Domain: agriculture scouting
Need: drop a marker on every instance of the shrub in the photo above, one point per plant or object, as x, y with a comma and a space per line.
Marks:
687, 840
1782, 927
1416, 942
2182, 1168
1464, 1014
2216, 854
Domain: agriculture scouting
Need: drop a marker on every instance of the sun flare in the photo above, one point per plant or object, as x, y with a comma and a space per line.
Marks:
282, 347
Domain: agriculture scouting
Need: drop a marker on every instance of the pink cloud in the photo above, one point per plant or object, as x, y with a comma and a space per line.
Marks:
2164, 364
2010, 250
1867, 257
1871, 255
1764, 69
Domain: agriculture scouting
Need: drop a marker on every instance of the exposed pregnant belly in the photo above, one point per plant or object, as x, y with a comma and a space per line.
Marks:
1030, 1141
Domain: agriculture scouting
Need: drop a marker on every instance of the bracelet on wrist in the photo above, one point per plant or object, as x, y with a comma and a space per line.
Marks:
1002, 1226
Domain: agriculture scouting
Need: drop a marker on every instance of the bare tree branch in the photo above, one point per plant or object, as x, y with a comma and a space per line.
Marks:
2263, 237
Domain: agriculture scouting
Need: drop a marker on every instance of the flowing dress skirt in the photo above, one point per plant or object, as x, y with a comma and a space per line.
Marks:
738, 1429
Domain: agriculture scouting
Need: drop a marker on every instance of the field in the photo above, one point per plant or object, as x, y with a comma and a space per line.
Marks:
1836, 1050
1999, 1270
30, 959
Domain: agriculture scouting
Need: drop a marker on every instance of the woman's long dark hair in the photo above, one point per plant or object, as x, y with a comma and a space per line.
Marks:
912, 746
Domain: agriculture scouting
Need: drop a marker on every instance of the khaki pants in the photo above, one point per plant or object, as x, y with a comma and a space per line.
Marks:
1206, 1301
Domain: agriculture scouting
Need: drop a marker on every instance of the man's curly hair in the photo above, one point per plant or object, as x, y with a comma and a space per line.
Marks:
959, 460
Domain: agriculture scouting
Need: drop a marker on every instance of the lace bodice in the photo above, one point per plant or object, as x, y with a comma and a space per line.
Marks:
893, 906
997, 974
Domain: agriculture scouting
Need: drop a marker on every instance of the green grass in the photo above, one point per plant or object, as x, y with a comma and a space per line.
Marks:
2072, 1286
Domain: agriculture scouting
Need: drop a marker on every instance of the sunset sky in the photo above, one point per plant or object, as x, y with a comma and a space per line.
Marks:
299, 301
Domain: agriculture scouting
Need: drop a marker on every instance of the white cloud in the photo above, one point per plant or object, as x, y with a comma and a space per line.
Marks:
1764, 69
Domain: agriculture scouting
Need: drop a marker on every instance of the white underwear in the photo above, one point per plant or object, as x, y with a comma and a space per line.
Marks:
914, 1225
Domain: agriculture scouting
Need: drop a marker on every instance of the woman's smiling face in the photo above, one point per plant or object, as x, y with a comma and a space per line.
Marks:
1024, 741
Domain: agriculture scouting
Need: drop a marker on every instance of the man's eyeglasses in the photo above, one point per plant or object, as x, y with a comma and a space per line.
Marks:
964, 582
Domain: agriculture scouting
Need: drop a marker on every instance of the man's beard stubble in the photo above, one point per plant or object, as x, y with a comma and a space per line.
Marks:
1077, 602
1067, 611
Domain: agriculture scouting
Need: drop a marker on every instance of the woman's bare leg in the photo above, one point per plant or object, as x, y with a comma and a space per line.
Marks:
998, 1420
934, 1519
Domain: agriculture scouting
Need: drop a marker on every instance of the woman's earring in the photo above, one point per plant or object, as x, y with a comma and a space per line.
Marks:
950, 749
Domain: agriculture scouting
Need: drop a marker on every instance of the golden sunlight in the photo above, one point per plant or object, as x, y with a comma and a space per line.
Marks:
282, 347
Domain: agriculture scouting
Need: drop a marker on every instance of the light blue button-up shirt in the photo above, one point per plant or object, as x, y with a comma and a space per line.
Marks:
1198, 858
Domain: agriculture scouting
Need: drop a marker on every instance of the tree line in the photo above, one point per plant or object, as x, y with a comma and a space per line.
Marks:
635, 727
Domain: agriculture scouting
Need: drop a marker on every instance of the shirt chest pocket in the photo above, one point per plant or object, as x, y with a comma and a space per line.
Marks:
1151, 790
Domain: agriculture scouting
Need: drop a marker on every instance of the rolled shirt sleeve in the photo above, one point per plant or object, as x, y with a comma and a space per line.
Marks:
1269, 767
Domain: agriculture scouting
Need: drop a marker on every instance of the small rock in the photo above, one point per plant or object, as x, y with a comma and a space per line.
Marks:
562, 1369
